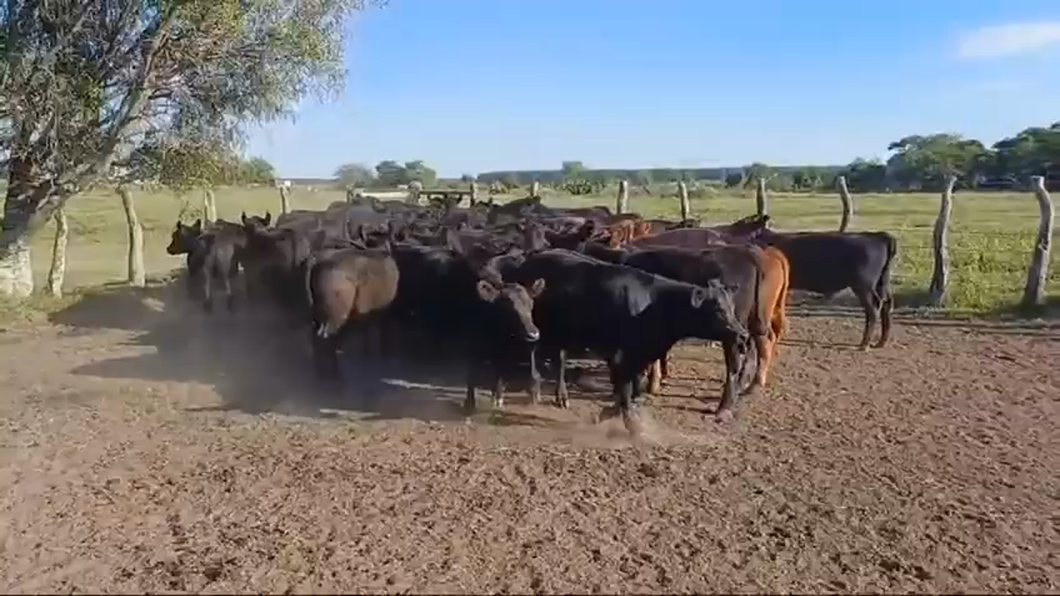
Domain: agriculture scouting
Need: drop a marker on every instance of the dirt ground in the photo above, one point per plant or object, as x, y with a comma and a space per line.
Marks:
145, 448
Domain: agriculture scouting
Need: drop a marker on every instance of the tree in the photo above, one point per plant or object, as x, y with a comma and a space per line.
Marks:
390, 173
467, 178
257, 170
925, 162
866, 175
83, 83
354, 174
572, 170
417, 170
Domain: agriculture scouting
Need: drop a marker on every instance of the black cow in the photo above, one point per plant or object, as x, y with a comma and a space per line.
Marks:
827, 263
629, 317
347, 288
213, 253
453, 297
274, 258
739, 268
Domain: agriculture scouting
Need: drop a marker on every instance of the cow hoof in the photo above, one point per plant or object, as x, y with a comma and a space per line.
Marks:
863, 348
724, 416
498, 403
879, 344
632, 422
753, 388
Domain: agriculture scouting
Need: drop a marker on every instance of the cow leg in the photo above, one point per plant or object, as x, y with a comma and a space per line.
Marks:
472, 379
562, 396
725, 409
535, 377
624, 388
498, 385
655, 378
764, 345
872, 308
207, 294
226, 287
886, 307
664, 366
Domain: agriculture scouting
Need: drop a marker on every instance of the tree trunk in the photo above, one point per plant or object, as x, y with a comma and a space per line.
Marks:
622, 205
535, 189
16, 264
58, 268
137, 276
1034, 291
761, 201
682, 193
209, 205
848, 203
941, 275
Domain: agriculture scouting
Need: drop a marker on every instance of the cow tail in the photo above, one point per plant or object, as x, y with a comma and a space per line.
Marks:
320, 328
883, 284
759, 323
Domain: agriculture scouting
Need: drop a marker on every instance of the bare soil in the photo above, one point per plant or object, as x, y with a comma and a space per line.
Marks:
146, 447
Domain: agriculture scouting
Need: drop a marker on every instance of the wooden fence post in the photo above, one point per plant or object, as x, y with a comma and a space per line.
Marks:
848, 203
941, 275
136, 274
209, 205
622, 205
414, 192
761, 200
535, 188
58, 268
1034, 291
285, 200
474, 192
682, 194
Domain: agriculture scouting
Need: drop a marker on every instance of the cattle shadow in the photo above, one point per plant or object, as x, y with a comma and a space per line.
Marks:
258, 360
912, 307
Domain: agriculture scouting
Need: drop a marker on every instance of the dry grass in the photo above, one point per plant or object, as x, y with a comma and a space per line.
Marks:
991, 234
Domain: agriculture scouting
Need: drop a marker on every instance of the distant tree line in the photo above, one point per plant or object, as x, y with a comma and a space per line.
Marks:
386, 174
917, 163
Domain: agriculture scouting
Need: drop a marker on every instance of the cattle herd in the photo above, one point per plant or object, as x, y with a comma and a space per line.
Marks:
523, 285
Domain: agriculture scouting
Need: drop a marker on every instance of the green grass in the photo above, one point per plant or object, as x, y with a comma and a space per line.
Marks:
991, 234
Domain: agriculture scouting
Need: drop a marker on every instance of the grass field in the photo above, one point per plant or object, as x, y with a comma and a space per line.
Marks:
991, 234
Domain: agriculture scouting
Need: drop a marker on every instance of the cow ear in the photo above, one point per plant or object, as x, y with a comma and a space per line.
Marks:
243, 217
197, 226
268, 219
698, 296
486, 291
536, 288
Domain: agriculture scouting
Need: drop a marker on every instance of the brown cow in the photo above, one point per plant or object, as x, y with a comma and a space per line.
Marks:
770, 308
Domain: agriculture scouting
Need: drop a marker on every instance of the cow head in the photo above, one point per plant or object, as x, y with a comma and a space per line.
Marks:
511, 307
534, 237
185, 238
256, 221
715, 306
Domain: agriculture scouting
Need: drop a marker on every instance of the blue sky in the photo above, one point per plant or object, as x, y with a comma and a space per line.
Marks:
478, 85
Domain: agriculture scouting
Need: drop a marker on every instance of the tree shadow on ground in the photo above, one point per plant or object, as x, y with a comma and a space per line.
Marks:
258, 360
